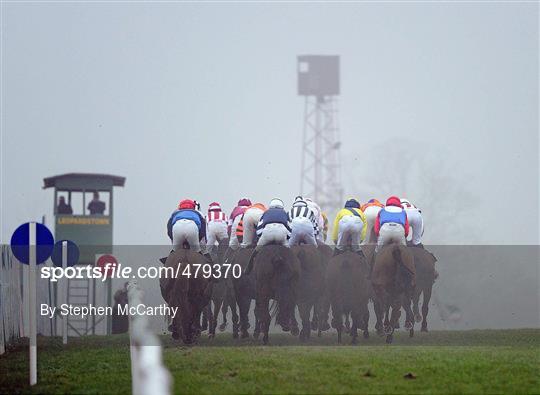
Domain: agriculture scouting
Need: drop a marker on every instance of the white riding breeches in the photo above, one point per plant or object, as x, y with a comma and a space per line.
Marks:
186, 231
273, 234
251, 219
234, 243
391, 232
302, 232
371, 213
350, 232
215, 232
414, 216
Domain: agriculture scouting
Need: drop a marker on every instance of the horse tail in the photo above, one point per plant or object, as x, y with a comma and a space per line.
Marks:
396, 253
284, 291
404, 276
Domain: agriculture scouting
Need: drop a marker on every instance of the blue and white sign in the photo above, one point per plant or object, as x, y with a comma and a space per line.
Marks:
20, 243
72, 253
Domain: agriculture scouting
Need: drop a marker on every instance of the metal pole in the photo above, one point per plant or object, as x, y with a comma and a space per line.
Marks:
32, 302
64, 292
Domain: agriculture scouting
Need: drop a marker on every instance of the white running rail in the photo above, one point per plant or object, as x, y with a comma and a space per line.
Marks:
148, 374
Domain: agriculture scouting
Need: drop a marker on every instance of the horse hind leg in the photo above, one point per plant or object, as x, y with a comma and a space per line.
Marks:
425, 308
224, 308
415, 300
356, 317
337, 321
409, 316
305, 309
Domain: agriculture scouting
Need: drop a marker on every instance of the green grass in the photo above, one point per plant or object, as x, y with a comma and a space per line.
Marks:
497, 361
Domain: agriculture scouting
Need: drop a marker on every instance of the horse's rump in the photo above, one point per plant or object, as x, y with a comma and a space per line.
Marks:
385, 268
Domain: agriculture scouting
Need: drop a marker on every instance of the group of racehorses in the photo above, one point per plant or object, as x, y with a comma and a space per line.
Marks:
310, 279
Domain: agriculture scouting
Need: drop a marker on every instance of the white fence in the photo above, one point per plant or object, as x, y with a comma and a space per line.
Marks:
148, 374
11, 306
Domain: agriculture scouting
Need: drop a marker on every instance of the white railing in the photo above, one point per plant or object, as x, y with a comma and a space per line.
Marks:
11, 305
148, 374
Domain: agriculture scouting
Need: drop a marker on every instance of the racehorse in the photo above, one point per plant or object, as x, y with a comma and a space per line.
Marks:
393, 281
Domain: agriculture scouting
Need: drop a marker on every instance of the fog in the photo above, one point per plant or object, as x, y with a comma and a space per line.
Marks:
199, 100
439, 103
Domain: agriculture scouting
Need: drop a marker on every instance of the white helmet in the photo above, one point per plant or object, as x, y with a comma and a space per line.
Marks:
276, 203
406, 203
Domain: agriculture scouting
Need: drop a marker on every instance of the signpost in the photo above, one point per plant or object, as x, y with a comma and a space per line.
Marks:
32, 244
65, 253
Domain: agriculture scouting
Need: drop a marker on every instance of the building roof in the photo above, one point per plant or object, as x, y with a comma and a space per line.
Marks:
78, 178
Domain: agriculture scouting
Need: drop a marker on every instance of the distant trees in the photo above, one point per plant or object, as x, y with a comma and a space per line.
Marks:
425, 175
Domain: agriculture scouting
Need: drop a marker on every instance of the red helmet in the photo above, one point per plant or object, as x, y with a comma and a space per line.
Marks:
186, 204
393, 201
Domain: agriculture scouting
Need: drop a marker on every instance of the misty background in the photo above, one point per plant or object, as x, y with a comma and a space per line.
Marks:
439, 103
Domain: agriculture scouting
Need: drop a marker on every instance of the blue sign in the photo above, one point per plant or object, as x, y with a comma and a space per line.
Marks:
20, 243
72, 253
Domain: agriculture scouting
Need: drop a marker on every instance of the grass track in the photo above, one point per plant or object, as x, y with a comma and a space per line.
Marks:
443, 362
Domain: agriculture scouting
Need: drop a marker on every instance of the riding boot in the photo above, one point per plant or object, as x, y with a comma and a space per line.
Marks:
164, 259
337, 251
207, 257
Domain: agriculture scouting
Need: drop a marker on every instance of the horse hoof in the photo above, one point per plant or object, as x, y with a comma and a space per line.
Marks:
396, 326
388, 330
424, 328
211, 335
408, 325
366, 335
325, 326
295, 331
319, 333
380, 332
314, 326
265, 340
417, 317
222, 327
256, 334
245, 335
175, 335
235, 335
411, 332
354, 340
389, 339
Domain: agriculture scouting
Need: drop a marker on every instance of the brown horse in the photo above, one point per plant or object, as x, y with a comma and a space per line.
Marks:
424, 262
222, 295
311, 285
393, 281
190, 294
276, 272
347, 282
322, 311
244, 288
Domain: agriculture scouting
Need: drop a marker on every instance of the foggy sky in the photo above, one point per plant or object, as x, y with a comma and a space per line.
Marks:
199, 101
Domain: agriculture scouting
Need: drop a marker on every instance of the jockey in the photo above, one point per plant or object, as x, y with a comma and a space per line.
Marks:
303, 223
391, 224
250, 220
274, 226
318, 216
187, 225
216, 230
349, 227
414, 216
371, 210
235, 219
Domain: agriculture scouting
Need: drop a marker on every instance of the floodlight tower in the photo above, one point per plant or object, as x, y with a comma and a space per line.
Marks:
318, 82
